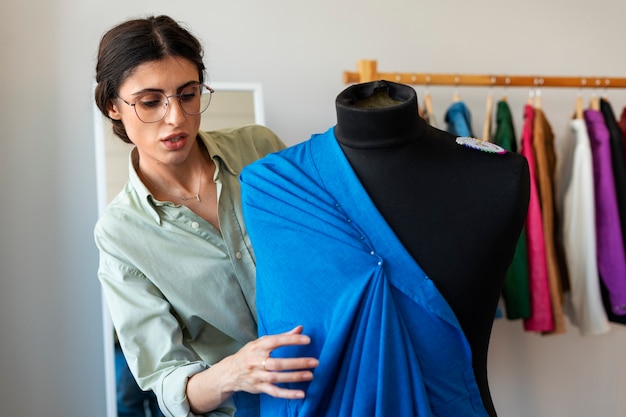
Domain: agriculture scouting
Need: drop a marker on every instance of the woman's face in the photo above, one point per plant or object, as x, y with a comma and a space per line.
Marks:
170, 140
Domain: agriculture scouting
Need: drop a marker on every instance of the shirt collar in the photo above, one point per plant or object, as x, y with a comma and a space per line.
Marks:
211, 141
148, 202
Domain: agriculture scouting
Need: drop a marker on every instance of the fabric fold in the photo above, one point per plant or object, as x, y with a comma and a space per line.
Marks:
387, 341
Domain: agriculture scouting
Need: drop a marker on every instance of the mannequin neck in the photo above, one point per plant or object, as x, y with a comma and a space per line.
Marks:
378, 114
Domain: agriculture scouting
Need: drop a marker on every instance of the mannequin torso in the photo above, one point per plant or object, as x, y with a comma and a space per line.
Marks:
458, 211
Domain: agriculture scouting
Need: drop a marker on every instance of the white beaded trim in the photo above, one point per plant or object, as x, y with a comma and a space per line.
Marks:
480, 145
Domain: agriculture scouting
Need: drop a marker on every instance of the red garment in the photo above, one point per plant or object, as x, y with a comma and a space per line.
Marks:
541, 319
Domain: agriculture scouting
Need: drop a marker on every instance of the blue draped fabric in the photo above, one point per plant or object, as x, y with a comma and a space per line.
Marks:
387, 341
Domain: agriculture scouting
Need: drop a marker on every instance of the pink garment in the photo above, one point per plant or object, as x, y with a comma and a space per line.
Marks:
540, 319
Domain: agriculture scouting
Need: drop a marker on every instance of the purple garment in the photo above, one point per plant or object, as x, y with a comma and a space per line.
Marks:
610, 246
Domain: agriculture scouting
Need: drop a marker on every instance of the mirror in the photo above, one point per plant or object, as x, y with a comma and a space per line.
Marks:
232, 104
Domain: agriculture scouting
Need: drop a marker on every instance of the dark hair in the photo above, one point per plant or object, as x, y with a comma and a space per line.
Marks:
134, 42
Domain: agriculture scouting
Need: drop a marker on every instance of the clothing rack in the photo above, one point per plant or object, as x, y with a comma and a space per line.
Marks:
367, 71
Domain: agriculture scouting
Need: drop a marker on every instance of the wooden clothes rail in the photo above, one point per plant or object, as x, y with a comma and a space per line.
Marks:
368, 71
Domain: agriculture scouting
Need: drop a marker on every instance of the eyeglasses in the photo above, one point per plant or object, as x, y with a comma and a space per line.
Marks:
152, 106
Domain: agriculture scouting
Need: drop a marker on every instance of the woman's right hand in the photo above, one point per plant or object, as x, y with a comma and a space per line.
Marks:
252, 370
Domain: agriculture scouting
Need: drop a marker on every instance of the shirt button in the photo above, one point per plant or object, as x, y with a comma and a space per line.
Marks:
195, 225
238, 255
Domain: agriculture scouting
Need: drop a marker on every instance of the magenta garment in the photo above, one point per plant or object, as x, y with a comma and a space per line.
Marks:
609, 242
541, 319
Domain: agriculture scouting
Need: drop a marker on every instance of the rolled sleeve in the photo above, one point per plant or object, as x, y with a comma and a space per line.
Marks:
173, 399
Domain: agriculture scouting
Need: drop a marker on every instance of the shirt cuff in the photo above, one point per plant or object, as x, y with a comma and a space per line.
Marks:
172, 395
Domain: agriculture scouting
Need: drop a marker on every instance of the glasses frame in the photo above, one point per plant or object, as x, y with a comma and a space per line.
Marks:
206, 90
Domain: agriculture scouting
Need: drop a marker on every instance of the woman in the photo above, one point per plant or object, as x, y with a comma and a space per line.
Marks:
176, 264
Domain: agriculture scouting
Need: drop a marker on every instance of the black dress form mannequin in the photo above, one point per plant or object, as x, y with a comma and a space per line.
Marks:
457, 211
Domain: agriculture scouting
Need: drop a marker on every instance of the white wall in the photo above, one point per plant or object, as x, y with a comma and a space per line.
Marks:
50, 318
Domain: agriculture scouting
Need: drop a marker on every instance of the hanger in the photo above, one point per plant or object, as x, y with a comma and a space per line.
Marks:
594, 101
531, 97
538, 98
456, 96
428, 102
578, 110
537, 101
579, 106
605, 96
488, 112
507, 81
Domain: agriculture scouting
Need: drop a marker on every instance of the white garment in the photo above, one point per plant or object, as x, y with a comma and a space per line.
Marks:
575, 207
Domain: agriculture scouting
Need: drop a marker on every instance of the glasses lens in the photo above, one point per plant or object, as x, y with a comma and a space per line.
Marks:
195, 99
151, 107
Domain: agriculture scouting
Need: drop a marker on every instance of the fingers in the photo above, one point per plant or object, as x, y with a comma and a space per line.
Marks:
278, 391
291, 338
288, 364
296, 330
276, 371
257, 371
272, 379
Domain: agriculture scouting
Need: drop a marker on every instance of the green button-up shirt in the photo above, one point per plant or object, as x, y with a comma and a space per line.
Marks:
182, 293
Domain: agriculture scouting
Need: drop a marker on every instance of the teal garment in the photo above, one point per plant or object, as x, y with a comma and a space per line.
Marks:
516, 290
459, 120
387, 341
182, 293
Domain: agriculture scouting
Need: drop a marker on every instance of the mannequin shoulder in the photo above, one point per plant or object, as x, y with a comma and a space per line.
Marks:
479, 164
470, 151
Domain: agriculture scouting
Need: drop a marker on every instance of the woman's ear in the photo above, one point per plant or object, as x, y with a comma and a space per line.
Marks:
113, 111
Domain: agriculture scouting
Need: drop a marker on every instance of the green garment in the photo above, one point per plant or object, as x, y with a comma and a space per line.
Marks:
516, 291
180, 292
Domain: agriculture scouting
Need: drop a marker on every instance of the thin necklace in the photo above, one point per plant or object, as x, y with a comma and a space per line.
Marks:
197, 196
